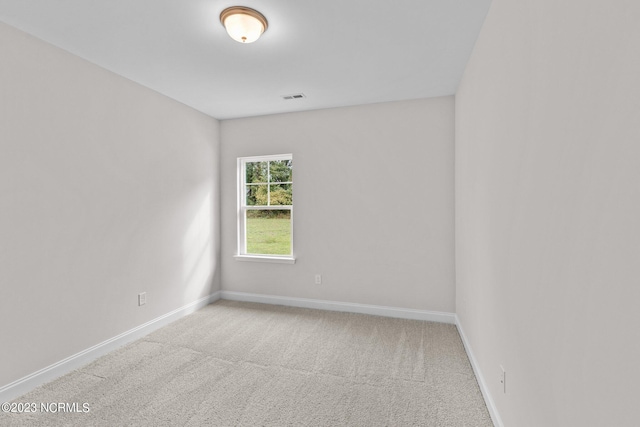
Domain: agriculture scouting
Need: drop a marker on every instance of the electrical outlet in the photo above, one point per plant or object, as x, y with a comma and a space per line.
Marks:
142, 298
503, 379
318, 279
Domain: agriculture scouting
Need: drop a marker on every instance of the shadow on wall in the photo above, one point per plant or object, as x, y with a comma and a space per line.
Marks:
199, 262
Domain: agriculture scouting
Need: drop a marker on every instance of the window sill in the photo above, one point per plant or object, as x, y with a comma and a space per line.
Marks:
261, 258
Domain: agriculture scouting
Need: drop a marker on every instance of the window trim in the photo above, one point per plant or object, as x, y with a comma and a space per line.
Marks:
241, 244
285, 259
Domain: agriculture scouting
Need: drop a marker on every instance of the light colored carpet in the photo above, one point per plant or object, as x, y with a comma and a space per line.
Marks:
245, 364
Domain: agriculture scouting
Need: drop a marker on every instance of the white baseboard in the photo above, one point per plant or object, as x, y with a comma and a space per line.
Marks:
377, 310
28, 383
493, 410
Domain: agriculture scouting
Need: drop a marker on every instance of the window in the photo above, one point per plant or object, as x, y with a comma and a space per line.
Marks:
265, 208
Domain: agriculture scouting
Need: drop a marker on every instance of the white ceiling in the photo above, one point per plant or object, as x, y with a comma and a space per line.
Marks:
336, 52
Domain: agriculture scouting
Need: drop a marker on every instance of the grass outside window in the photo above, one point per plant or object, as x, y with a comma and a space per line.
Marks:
269, 232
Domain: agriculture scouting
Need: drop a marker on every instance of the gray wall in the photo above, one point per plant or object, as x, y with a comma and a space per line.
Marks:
373, 203
107, 189
548, 210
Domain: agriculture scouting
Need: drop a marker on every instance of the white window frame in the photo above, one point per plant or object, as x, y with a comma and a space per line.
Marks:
242, 254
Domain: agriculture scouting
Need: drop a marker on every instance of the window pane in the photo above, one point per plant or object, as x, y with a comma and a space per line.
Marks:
280, 194
257, 195
255, 172
268, 232
280, 171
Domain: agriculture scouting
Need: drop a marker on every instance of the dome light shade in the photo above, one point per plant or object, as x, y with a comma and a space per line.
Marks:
243, 24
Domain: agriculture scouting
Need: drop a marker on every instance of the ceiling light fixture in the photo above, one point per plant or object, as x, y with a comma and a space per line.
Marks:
243, 24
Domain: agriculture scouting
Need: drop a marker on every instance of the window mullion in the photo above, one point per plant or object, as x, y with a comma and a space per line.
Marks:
269, 208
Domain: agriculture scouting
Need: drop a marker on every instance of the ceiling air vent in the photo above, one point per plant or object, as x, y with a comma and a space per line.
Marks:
295, 96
